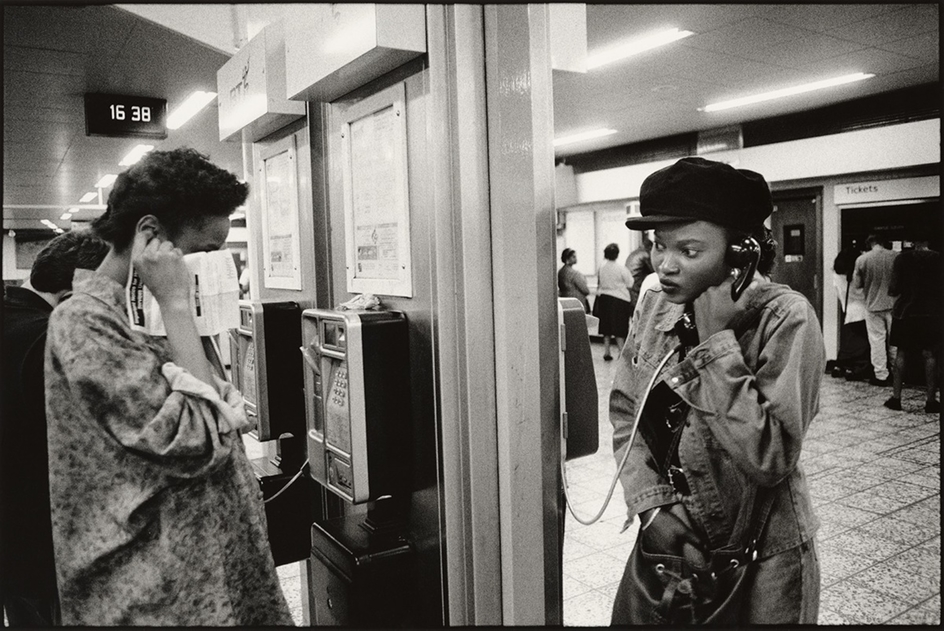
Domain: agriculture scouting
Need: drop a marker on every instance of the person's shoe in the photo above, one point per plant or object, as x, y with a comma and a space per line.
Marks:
887, 381
837, 371
932, 406
607, 358
893, 403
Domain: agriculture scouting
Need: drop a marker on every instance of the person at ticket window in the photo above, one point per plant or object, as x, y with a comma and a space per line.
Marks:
157, 517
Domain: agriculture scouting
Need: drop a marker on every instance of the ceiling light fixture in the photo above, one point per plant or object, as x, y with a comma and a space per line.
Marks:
635, 47
587, 135
135, 154
65, 217
49, 224
194, 103
87, 198
106, 181
776, 94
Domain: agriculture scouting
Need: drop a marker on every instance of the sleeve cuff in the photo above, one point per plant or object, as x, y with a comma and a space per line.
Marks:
230, 406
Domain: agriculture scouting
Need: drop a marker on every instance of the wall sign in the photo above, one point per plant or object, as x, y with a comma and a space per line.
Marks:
281, 250
125, 116
376, 195
887, 190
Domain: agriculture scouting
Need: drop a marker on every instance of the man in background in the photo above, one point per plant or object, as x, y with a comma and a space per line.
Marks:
916, 318
873, 273
27, 569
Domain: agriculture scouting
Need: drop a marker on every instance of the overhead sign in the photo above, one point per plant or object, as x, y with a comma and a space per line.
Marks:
887, 190
125, 116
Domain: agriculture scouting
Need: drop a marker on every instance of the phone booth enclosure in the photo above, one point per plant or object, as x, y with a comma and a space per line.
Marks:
357, 401
264, 367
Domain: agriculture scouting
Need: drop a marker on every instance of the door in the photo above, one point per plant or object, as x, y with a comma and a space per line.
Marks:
795, 224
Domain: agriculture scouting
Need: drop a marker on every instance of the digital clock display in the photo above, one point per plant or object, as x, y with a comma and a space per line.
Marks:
125, 116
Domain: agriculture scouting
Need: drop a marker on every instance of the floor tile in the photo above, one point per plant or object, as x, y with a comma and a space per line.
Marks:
868, 546
591, 609
918, 616
841, 563
827, 617
896, 530
919, 561
862, 605
891, 580
572, 587
596, 570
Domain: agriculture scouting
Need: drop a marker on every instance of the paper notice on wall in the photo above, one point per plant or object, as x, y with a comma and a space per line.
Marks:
214, 296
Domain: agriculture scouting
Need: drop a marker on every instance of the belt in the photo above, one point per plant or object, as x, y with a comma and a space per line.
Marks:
678, 480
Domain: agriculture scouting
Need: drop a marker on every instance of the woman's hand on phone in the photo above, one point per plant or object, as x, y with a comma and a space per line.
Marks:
714, 309
162, 269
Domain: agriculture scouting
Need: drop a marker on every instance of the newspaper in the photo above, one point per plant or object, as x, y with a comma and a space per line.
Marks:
214, 296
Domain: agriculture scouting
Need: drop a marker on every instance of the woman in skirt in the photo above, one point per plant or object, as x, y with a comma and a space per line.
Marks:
613, 305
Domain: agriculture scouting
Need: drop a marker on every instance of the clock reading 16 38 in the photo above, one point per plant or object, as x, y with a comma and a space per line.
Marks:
124, 116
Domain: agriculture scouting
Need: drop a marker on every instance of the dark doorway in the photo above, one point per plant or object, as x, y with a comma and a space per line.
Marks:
795, 224
901, 223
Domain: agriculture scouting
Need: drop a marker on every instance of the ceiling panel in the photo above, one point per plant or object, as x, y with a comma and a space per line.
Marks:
823, 17
891, 26
54, 54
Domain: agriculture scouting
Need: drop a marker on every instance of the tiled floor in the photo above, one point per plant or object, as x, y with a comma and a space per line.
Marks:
875, 477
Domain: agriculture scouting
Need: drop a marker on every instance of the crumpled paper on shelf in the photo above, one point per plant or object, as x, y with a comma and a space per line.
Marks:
368, 302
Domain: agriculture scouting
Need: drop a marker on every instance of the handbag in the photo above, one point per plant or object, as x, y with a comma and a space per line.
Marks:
676, 590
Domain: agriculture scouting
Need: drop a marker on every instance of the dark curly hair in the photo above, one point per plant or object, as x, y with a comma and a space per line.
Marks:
180, 187
56, 263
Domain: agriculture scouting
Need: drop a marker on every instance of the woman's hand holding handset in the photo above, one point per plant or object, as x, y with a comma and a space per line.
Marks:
715, 310
163, 271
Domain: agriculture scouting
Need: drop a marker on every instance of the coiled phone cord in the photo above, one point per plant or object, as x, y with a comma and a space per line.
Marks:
629, 446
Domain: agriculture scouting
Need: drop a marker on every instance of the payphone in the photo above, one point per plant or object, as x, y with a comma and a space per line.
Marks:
357, 402
264, 351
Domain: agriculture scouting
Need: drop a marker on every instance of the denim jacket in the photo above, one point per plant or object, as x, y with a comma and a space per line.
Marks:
752, 389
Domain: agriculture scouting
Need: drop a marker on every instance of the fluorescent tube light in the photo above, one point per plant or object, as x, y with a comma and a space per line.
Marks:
135, 154
587, 135
49, 224
776, 94
194, 103
106, 181
65, 217
635, 46
87, 198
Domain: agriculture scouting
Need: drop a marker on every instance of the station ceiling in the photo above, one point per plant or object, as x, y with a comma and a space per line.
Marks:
53, 55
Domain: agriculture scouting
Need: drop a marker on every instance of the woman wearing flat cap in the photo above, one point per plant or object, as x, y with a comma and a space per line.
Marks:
713, 414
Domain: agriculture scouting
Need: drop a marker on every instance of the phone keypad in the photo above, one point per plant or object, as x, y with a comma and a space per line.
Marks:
339, 388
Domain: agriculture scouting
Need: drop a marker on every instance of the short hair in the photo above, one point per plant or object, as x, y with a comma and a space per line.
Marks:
566, 254
180, 187
610, 252
56, 263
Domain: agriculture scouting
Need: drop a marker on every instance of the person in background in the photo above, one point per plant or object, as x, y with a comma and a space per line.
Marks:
852, 361
872, 274
157, 516
570, 282
727, 522
916, 318
613, 304
27, 572
639, 264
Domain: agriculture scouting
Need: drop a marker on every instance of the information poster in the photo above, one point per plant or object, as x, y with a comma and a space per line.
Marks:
376, 198
281, 255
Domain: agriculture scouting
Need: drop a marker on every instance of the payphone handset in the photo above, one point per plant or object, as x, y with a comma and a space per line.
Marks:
357, 401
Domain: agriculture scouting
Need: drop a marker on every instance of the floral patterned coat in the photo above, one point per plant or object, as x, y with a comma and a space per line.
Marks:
157, 516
